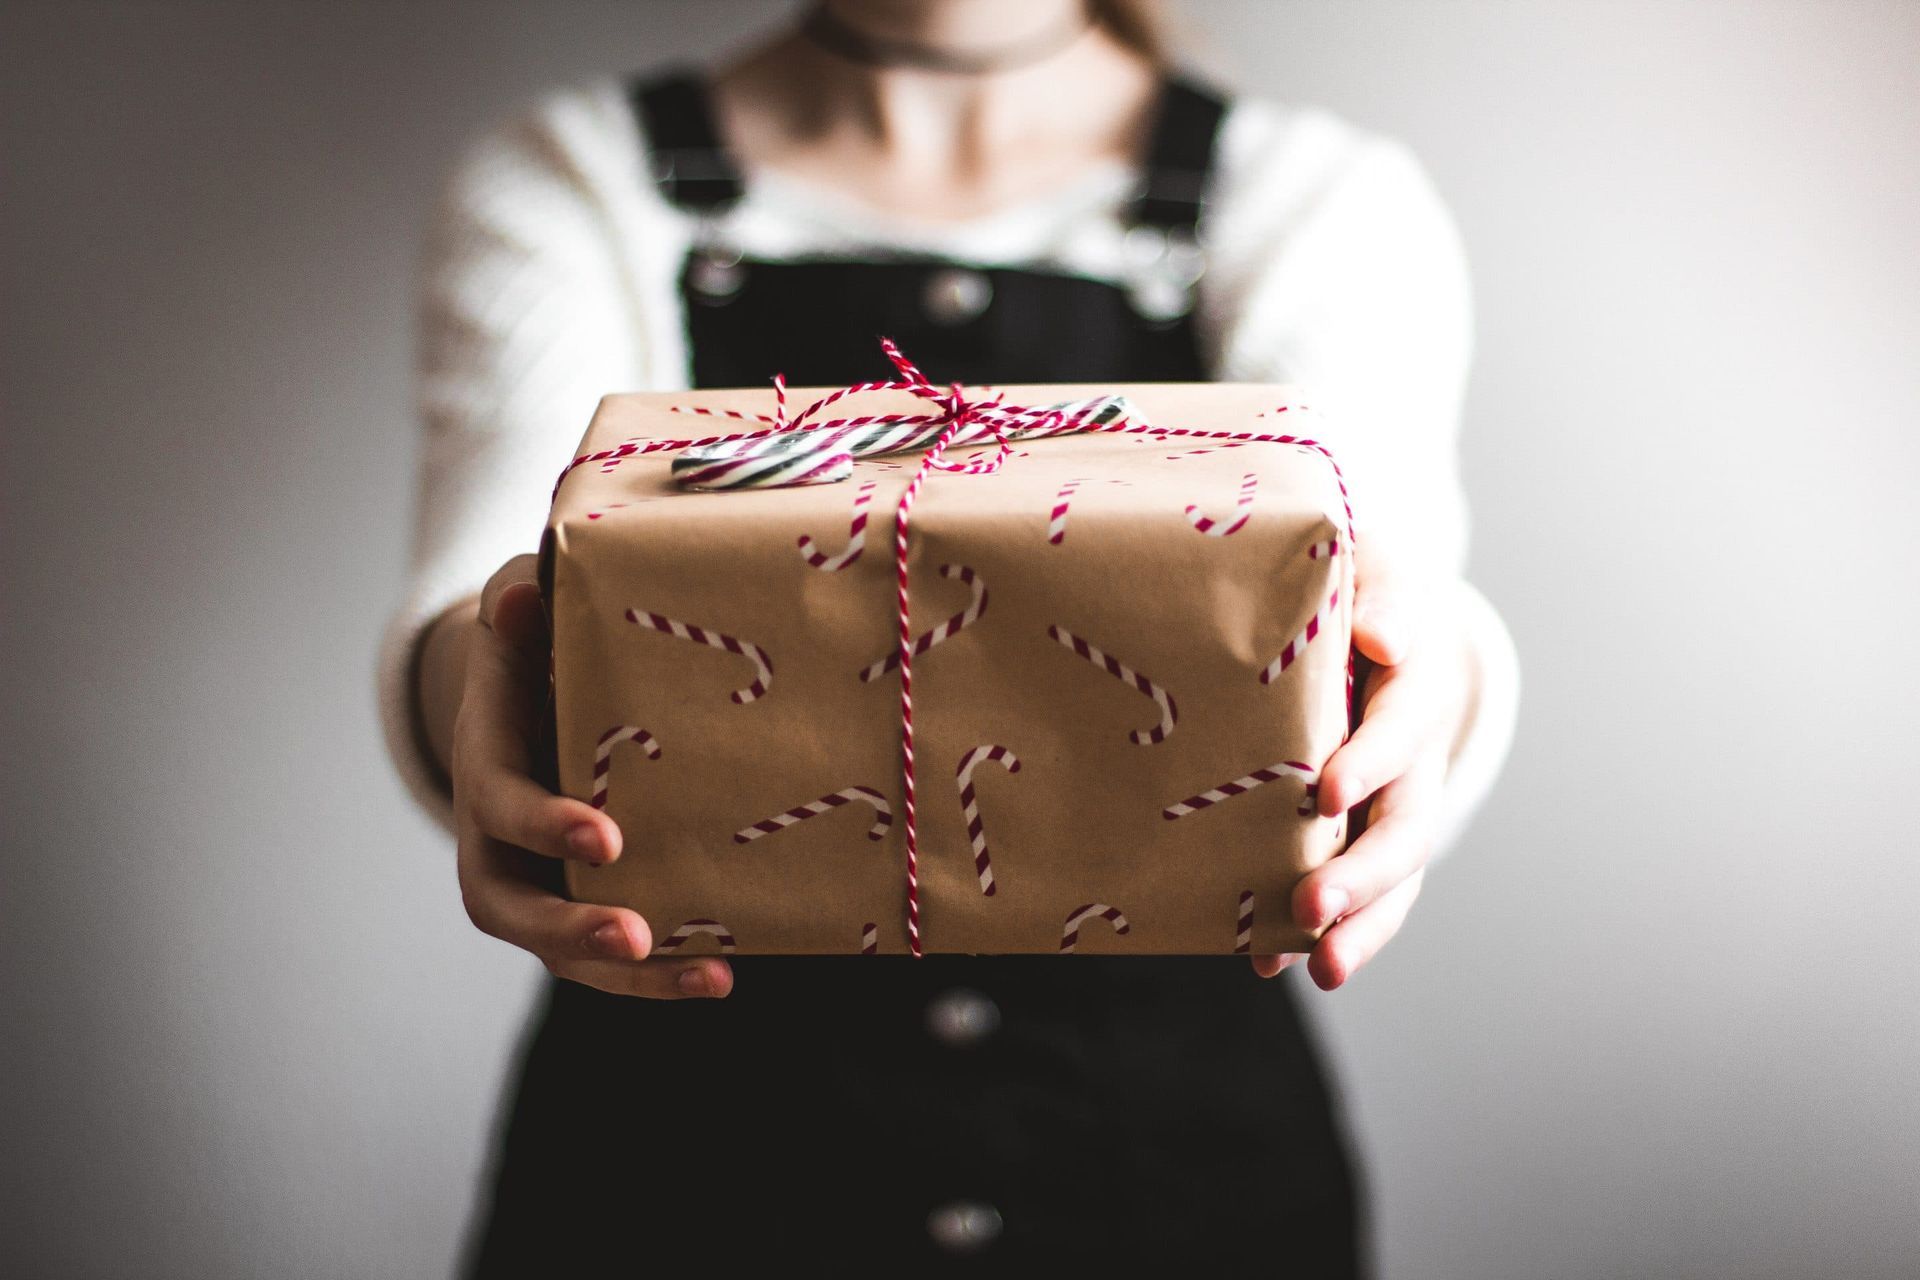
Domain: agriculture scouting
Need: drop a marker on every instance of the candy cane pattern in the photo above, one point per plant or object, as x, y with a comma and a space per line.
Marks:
615, 506
870, 939
856, 536
603, 756
1298, 645
1057, 521
1194, 453
1242, 509
970, 807
763, 666
959, 621
1070, 932
673, 940
882, 814
1240, 786
1169, 712
1324, 550
1243, 941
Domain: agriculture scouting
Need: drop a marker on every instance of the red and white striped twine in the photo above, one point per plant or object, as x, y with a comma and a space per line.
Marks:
936, 635
603, 756
762, 665
952, 413
870, 939
1070, 932
1242, 510
882, 814
1243, 940
970, 806
1240, 786
1324, 550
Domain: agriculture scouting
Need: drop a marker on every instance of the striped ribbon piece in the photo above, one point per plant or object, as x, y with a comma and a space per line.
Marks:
794, 449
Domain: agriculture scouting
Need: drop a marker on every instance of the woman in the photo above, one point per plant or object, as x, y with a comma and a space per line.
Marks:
1018, 191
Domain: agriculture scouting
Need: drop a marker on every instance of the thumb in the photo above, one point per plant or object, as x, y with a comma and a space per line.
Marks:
520, 619
510, 606
1383, 607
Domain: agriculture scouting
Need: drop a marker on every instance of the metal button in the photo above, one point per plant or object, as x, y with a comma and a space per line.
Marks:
1160, 300
964, 1226
1144, 246
716, 278
1162, 269
955, 295
962, 1016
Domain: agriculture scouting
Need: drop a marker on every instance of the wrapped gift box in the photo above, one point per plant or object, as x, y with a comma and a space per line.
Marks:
1131, 661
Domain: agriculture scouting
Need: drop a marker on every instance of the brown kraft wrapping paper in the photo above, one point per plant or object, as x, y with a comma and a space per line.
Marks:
737, 696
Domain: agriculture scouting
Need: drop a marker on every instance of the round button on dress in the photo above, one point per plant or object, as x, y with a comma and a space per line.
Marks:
716, 277
964, 1226
955, 295
962, 1017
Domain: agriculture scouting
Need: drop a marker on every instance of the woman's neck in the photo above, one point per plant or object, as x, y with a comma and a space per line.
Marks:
960, 26
932, 143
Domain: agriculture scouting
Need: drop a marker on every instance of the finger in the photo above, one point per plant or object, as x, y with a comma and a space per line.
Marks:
503, 900
504, 690
1404, 707
520, 619
1343, 949
1383, 605
522, 570
493, 767
1270, 966
511, 807
604, 947
1397, 843
693, 978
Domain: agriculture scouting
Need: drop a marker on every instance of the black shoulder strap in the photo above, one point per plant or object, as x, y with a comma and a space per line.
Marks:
1179, 157
694, 171
690, 162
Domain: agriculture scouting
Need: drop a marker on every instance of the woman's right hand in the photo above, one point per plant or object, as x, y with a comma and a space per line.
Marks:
508, 821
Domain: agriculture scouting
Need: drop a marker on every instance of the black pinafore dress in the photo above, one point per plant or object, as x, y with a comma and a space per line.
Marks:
952, 1114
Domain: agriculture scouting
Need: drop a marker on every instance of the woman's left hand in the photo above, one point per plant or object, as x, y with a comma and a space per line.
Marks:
1413, 699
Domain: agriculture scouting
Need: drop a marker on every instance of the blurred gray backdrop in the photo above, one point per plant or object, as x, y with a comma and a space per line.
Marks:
1659, 1016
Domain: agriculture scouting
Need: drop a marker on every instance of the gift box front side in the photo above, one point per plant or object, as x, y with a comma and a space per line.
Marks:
1118, 713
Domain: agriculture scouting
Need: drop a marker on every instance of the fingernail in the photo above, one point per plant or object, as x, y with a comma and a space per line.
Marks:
1348, 793
694, 981
1334, 904
609, 940
1385, 627
583, 838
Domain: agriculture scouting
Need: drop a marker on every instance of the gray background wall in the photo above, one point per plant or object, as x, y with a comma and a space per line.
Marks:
1659, 1016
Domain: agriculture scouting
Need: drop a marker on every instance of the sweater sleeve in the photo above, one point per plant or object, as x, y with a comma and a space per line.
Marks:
524, 318
1341, 270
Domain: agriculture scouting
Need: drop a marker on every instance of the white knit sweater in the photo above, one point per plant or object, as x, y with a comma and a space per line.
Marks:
550, 279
